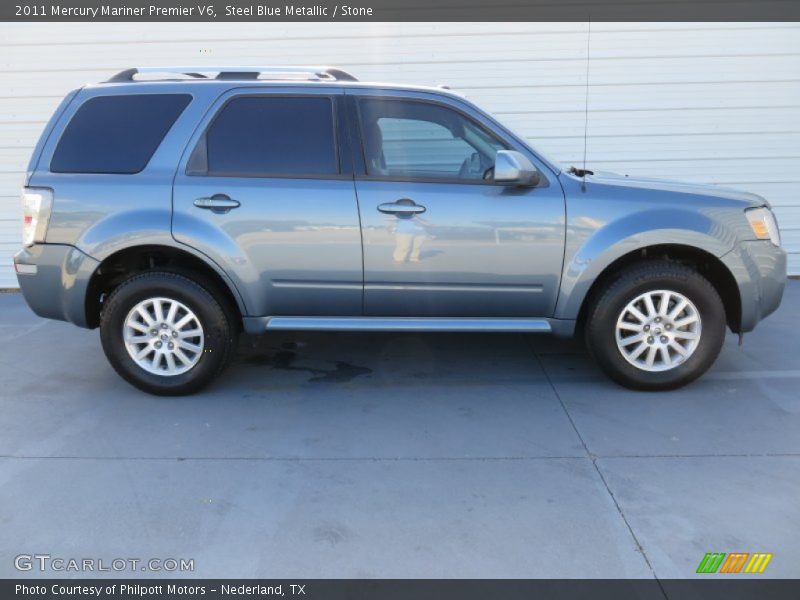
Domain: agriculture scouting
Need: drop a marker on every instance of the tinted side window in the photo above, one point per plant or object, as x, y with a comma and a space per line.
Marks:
412, 139
269, 135
116, 134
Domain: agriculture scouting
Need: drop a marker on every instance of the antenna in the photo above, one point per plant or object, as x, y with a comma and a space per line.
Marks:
586, 103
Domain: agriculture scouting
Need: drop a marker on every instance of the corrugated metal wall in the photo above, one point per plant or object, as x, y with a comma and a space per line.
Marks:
708, 102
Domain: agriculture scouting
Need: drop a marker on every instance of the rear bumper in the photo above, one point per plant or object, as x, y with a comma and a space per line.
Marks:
54, 278
759, 268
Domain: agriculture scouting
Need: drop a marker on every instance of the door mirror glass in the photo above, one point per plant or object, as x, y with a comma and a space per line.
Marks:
514, 168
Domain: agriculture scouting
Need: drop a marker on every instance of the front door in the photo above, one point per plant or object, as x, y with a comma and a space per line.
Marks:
441, 239
267, 192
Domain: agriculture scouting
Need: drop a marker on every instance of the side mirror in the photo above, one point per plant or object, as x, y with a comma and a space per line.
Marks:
514, 168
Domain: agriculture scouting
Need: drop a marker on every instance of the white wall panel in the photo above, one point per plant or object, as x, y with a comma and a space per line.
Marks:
707, 102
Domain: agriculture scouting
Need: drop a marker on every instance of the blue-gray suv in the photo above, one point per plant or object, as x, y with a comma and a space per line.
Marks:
174, 208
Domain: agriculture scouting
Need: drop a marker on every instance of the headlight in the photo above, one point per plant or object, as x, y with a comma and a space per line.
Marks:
763, 224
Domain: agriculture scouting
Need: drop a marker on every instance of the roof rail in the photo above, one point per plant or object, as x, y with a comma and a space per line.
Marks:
250, 72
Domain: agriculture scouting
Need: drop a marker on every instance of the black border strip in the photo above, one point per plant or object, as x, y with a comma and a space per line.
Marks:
404, 10
706, 588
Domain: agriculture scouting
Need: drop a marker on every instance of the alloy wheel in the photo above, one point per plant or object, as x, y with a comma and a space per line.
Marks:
163, 336
658, 330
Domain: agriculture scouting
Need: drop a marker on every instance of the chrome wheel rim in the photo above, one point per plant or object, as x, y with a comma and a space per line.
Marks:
163, 336
658, 330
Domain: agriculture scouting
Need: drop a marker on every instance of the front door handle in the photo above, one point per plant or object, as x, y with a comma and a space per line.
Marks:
401, 207
218, 203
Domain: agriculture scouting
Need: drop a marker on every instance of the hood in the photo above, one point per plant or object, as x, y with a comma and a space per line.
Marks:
679, 187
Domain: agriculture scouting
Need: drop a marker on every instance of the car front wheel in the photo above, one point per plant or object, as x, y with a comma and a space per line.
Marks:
658, 326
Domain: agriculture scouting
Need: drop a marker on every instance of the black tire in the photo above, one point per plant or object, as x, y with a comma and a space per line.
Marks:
219, 327
651, 275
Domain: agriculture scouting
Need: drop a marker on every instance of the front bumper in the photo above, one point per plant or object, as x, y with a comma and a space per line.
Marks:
759, 268
54, 279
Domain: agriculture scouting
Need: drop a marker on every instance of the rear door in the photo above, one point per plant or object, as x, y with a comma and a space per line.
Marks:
265, 189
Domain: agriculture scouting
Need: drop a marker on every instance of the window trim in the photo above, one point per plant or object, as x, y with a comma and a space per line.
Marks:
365, 176
334, 100
71, 116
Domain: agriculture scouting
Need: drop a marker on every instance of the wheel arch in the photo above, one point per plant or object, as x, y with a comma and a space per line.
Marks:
124, 263
706, 263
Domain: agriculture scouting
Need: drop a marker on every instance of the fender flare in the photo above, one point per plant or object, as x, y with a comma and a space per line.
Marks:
171, 244
638, 231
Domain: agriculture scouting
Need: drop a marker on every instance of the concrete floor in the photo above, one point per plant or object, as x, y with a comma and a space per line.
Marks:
322, 455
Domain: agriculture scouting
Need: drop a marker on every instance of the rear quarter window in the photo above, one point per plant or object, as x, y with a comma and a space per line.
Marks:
116, 134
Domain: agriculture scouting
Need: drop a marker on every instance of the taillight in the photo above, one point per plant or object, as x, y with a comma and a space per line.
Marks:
36, 206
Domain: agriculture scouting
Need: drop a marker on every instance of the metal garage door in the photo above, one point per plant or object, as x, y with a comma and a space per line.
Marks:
715, 103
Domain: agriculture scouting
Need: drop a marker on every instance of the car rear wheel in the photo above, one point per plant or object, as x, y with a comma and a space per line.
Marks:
657, 326
166, 334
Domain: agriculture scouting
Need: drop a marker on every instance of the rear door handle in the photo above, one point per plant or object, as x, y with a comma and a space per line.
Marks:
400, 208
218, 203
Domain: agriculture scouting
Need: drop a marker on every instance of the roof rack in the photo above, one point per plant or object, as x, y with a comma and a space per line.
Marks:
250, 72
